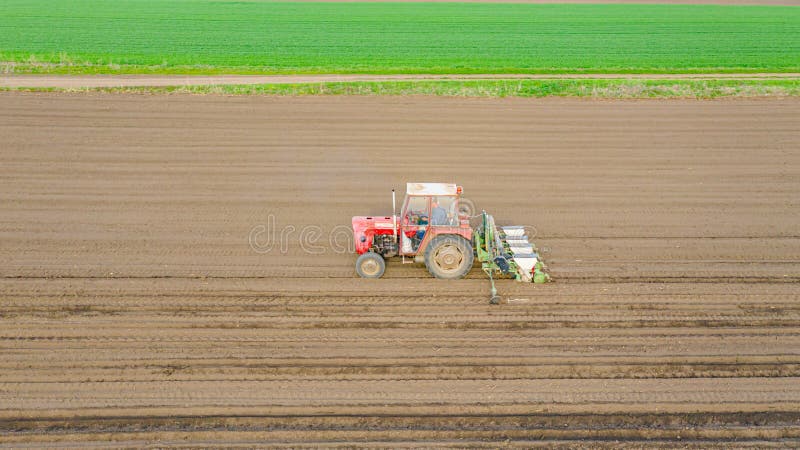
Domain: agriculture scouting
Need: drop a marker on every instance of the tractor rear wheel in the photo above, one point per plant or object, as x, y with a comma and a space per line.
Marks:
370, 265
449, 257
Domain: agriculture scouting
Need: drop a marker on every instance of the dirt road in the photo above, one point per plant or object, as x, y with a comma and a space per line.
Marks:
104, 81
141, 301
673, 2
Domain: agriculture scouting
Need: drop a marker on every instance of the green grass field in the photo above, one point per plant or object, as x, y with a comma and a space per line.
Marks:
183, 36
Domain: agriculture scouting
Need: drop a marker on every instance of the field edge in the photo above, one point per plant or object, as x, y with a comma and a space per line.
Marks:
492, 88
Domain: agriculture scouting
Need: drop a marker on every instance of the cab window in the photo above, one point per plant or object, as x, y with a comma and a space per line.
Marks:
443, 211
417, 211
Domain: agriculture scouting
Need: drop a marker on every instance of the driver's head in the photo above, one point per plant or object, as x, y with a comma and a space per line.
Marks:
435, 202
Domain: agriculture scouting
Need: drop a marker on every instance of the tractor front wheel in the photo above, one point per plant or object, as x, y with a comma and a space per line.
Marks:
370, 265
449, 257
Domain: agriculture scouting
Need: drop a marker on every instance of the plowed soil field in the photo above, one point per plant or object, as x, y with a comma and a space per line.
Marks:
144, 299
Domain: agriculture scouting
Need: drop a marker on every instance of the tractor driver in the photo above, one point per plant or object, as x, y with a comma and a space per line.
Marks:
438, 214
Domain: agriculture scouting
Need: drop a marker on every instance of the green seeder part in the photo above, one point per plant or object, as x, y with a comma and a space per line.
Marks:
497, 259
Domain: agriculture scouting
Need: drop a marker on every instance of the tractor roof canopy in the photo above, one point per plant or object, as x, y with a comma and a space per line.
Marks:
432, 189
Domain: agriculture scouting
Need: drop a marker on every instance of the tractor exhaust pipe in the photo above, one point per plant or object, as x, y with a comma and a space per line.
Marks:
394, 216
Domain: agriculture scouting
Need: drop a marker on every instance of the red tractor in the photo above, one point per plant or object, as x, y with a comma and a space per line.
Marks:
434, 229
430, 228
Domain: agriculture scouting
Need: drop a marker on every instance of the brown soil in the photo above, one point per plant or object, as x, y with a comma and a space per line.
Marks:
133, 309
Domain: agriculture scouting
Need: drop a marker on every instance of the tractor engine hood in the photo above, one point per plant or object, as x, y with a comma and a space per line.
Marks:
366, 227
373, 224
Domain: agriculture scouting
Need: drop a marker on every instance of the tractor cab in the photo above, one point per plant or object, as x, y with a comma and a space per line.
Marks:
429, 210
